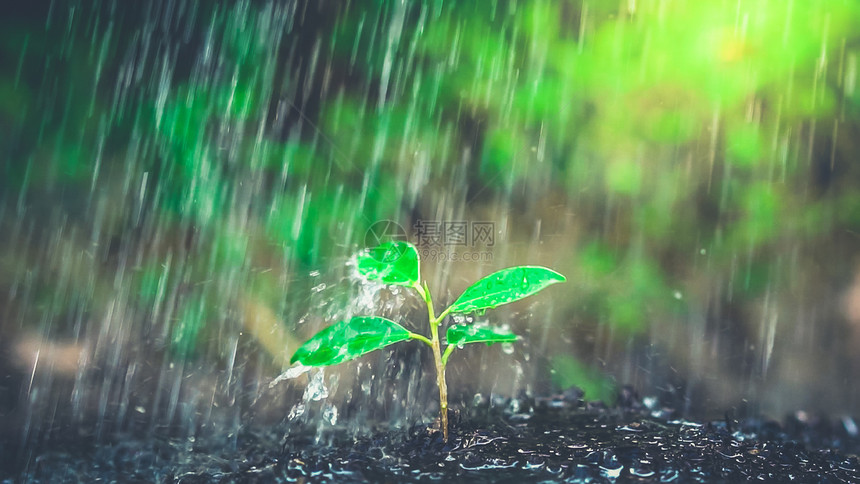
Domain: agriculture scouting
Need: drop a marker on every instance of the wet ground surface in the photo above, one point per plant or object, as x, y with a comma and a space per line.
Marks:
527, 440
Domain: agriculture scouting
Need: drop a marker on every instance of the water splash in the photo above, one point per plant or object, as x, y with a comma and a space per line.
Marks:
291, 373
316, 389
330, 414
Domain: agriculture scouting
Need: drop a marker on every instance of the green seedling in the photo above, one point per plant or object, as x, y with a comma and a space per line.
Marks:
397, 263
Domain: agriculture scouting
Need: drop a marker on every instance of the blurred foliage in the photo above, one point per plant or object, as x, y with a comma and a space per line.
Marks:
256, 137
567, 372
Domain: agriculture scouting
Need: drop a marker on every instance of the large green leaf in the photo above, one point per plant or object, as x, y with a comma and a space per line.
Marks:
460, 334
349, 339
505, 286
393, 262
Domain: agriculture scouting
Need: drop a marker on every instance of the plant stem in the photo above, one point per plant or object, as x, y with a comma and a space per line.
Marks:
425, 293
440, 380
421, 338
437, 357
444, 313
446, 354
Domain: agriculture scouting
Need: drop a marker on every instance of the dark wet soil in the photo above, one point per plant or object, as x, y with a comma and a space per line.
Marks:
525, 440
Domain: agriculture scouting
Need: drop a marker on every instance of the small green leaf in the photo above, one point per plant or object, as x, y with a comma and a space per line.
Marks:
393, 262
349, 339
505, 286
460, 334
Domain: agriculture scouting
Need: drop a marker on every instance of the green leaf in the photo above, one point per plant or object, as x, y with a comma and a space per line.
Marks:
460, 334
349, 339
505, 286
393, 262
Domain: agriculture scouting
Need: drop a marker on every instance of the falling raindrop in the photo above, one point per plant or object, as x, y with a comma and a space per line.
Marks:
319, 287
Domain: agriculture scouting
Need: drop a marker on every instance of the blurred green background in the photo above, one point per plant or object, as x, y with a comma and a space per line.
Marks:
183, 184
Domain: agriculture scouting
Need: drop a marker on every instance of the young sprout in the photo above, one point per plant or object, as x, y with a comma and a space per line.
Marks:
397, 263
